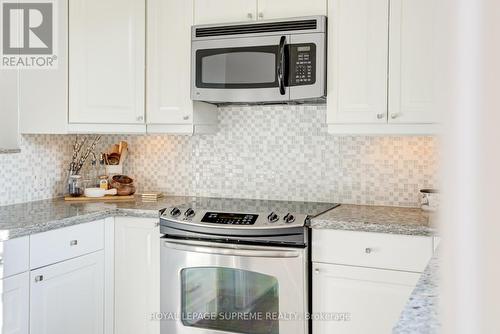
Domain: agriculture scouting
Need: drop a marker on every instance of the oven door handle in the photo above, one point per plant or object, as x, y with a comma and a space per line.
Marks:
281, 65
246, 251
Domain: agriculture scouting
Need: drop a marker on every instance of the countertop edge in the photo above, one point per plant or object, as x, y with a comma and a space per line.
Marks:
397, 229
76, 220
421, 312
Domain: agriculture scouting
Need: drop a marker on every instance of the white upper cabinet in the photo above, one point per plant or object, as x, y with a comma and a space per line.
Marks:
169, 106
357, 63
220, 11
224, 11
412, 63
8, 109
107, 61
43, 99
381, 67
277, 9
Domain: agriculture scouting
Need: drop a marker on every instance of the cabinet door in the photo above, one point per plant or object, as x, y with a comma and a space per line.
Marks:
14, 305
68, 297
361, 300
43, 99
8, 109
137, 272
169, 62
107, 60
357, 61
223, 11
412, 61
277, 9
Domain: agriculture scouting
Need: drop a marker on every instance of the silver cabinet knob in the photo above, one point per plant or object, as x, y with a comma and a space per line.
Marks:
140, 118
394, 116
316, 271
185, 117
250, 16
261, 15
380, 116
38, 278
368, 250
73, 242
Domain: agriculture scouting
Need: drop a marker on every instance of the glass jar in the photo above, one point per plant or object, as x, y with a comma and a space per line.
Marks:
75, 185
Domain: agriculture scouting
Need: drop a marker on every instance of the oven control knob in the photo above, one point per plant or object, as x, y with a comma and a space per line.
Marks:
289, 218
175, 212
273, 218
189, 213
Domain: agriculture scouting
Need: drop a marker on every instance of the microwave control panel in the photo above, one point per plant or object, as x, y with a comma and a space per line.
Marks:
302, 64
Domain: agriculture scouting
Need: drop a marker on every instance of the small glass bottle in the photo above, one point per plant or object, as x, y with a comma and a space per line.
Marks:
93, 175
103, 182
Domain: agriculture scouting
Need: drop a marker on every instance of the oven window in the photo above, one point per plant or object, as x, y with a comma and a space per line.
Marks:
231, 300
248, 67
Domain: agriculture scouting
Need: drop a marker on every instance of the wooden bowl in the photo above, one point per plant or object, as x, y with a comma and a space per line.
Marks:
123, 184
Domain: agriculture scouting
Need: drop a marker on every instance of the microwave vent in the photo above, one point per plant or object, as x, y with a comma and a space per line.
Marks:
256, 28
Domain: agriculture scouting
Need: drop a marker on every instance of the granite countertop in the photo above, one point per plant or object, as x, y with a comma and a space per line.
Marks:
378, 219
420, 314
34, 217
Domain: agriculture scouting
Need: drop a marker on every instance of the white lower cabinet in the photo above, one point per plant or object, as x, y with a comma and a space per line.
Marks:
68, 297
354, 300
362, 281
137, 275
14, 306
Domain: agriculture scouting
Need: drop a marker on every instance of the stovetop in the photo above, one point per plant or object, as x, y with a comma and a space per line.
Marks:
235, 205
240, 220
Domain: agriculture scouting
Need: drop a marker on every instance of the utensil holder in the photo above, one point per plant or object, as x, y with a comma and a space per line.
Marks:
114, 170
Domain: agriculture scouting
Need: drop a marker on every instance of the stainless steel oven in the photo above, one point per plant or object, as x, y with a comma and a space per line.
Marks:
228, 288
236, 266
262, 62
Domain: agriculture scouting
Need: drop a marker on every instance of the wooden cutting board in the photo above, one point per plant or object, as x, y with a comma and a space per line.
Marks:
99, 199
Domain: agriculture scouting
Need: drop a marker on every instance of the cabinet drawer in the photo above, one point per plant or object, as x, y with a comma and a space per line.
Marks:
66, 243
14, 256
375, 250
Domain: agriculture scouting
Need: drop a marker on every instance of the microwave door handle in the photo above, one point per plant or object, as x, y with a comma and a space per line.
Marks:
281, 65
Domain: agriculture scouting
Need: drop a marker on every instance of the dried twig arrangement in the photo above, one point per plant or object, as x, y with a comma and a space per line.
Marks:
78, 159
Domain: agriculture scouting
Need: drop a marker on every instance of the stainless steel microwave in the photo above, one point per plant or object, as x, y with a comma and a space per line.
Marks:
277, 61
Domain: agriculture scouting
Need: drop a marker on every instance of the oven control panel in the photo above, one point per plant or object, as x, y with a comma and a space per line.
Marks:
274, 219
229, 218
303, 64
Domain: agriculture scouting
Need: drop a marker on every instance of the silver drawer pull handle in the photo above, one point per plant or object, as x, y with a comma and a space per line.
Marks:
73, 242
39, 278
316, 271
368, 250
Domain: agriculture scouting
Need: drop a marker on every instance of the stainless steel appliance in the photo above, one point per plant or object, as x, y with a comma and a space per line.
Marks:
236, 266
276, 61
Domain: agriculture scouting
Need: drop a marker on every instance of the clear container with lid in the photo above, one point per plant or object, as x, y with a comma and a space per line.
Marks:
75, 186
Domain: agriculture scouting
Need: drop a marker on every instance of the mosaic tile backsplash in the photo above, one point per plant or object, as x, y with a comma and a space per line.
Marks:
271, 152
